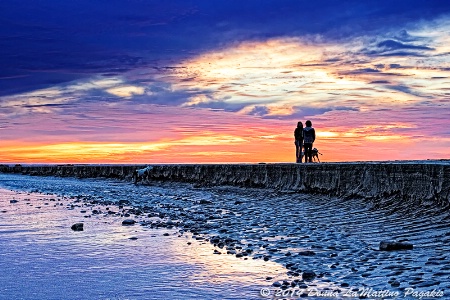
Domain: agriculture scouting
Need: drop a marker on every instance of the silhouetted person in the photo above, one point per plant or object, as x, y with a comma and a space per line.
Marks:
309, 136
298, 135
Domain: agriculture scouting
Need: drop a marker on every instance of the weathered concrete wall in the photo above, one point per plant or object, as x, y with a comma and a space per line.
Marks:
400, 180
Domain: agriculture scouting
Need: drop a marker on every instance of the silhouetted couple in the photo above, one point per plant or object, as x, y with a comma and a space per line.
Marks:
304, 138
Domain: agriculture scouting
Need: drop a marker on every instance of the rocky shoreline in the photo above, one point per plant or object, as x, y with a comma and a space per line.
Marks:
108, 256
325, 243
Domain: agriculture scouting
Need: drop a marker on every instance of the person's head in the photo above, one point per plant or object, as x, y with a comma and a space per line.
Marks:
300, 124
308, 123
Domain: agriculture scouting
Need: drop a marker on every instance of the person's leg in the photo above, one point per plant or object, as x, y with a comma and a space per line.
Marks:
300, 151
296, 151
306, 146
310, 153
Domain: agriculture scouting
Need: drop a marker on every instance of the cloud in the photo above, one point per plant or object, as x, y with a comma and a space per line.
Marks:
388, 45
242, 81
126, 91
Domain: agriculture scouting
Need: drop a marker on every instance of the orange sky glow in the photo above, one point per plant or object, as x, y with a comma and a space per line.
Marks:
241, 103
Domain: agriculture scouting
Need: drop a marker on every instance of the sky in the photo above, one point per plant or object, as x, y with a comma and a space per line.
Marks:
223, 81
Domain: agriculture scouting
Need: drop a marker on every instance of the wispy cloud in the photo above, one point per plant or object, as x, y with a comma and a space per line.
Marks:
374, 90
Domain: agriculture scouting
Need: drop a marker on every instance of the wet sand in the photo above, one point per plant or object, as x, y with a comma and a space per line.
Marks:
337, 240
43, 258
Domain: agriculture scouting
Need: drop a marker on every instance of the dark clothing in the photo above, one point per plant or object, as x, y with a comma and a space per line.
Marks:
308, 152
309, 136
298, 135
298, 151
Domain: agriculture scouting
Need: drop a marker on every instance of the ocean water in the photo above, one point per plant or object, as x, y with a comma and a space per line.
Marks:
178, 247
42, 258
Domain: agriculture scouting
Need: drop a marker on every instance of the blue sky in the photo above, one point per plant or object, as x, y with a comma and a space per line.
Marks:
55, 41
92, 67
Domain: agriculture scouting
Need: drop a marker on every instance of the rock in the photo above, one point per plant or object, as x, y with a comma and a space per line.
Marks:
289, 265
203, 201
395, 283
393, 245
307, 253
166, 234
77, 227
128, 222
308, 275
215, 240
133, 238
276, 284
13, 201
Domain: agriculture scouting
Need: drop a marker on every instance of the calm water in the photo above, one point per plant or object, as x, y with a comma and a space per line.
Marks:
42, 258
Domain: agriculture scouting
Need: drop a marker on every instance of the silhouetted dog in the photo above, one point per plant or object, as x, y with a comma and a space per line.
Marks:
315, 154
140, 174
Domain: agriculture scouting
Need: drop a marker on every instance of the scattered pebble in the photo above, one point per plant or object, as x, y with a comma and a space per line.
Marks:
77, 227
128, 222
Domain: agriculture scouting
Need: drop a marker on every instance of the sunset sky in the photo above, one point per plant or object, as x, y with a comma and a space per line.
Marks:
222, 81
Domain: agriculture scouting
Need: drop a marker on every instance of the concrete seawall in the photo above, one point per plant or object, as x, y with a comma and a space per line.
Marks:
413, 181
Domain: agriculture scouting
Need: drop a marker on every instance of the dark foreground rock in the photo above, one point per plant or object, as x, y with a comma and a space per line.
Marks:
393, 246
128, 222
77, 227
308, 275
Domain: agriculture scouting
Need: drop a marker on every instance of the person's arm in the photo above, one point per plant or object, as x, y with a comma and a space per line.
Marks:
314, 134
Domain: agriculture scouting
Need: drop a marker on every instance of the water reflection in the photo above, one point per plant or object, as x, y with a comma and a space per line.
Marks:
102, 262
